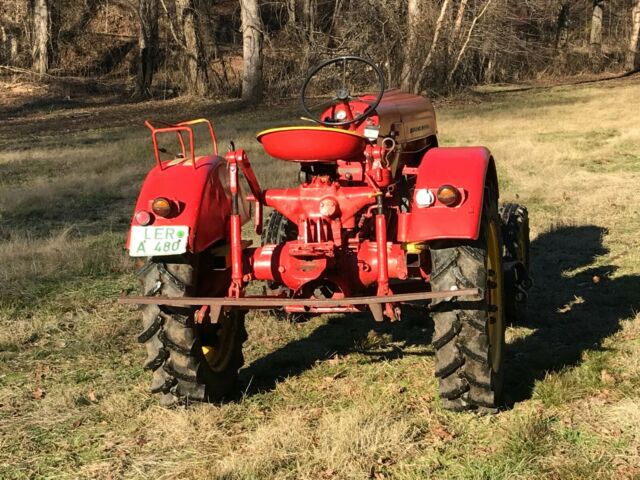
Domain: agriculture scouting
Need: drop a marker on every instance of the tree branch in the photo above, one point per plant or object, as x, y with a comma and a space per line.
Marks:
463, 49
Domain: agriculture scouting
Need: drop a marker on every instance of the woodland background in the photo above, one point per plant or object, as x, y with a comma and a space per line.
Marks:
337, 397
253, 48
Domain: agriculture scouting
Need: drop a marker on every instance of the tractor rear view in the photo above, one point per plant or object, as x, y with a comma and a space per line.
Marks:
382, 217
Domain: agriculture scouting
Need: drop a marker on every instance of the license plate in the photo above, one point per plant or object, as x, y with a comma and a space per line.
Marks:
157, 241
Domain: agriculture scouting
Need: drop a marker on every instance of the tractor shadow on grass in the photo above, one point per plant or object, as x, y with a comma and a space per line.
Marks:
342, 335
573, 306
568, 313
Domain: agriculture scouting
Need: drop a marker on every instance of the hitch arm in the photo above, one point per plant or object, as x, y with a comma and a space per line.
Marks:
234, 159
240, 158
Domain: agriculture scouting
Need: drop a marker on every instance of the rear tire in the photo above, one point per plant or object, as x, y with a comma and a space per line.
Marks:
176, 346
469, 334
515, 237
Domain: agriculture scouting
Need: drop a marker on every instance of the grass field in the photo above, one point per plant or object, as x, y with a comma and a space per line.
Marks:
335, 397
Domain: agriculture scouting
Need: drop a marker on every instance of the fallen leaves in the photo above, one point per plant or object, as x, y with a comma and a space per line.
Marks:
335, 360
442, 433
606, 378
577, 300
38, 393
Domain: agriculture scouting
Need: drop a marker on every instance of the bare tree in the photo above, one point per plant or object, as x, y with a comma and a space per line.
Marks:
632, 58
464, 46
457, 25
432, 48
251, 51
562, 25
148, 44
9, 42
595, 39
190, 32
414, 28
197, 79
39, 12
291, 12
440, 43
309, 16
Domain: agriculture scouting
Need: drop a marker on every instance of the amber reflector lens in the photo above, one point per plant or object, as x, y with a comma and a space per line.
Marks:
161, 206
448, 195
143, 217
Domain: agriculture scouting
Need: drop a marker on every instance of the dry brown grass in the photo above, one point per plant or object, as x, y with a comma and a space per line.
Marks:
339, 397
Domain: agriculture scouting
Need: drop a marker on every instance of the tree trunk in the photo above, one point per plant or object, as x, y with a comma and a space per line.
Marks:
595, 39
214, 64
291, 12
489, 70
409, 65
457, 25
432, 49
54, 31
562, 26
251, 51
4, 41
464, 46
197, 80
12, 48
633, 59
309, 17
40, 22
148, 44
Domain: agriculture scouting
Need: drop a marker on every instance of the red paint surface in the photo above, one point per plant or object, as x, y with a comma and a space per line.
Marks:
312, 144
351, 270
303, 202
204, 203
464, 168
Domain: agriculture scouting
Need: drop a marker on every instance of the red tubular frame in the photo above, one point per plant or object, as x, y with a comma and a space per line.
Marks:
383, 266
239, 157
235, 158
235, 223
178, 129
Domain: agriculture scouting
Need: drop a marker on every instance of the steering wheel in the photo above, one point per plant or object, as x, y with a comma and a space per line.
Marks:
343, 93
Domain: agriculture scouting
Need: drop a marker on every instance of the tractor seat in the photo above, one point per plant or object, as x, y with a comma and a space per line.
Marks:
312, 144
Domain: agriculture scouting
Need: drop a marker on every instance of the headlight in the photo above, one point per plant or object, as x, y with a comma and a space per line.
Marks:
424, 197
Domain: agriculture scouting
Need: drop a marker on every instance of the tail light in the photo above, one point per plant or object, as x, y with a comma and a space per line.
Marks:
143, 217
448, 195
162, 207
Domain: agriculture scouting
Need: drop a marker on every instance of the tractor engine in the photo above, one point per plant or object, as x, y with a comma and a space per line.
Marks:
334, 214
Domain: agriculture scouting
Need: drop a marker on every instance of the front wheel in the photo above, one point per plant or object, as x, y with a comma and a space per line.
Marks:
469, 334
189, 362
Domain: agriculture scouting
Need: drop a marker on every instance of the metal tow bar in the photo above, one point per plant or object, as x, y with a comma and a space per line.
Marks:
374, 302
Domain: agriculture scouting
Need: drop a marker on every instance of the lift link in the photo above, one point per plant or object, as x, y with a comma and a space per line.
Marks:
237, 286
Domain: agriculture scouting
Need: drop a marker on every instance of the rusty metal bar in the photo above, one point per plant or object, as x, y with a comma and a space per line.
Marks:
275, 302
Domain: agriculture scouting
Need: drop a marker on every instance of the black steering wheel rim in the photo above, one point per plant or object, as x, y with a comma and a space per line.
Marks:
343, 95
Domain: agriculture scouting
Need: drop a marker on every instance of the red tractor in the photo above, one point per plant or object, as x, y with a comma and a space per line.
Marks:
382, 217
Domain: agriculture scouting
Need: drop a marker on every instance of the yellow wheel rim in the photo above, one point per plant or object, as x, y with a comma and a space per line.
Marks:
218, 350
495, 298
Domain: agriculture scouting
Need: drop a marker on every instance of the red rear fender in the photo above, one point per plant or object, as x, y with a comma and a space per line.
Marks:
199, 196
465, 168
